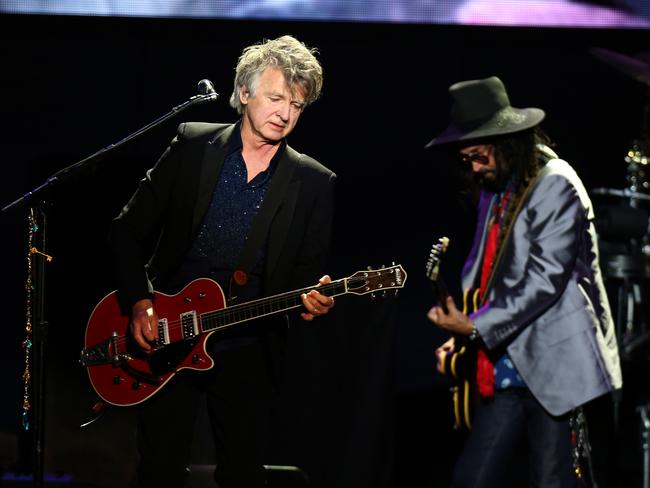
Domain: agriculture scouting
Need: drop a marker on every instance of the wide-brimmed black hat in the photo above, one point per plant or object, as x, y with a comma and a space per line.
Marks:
482, 109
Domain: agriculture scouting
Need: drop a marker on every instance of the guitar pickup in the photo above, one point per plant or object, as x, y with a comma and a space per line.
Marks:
163, 331
189, 324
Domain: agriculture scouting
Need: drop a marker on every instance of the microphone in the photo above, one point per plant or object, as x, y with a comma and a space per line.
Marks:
206, 92
206, 88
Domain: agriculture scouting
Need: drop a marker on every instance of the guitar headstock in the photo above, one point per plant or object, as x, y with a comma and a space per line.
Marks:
372, 280
433, 262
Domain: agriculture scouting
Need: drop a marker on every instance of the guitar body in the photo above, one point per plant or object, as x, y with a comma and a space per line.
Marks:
120, 372
460, 365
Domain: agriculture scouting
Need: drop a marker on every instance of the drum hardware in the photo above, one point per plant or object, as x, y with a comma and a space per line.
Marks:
644, 413
638, 164
625, 250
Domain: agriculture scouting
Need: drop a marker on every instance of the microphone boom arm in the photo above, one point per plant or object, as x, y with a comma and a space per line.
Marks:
62, 174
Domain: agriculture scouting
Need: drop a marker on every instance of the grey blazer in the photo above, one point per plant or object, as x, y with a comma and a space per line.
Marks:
547, 303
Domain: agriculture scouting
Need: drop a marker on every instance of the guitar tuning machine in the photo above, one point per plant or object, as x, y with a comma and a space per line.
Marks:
379, 294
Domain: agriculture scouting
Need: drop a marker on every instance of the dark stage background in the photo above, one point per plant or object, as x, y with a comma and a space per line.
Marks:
365, 407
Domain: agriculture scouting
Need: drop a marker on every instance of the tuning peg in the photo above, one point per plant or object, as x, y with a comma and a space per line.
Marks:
369, 268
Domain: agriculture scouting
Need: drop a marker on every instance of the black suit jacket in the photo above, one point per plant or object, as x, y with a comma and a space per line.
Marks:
172, 199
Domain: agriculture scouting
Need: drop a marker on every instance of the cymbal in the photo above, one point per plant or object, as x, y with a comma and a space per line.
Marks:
637, 67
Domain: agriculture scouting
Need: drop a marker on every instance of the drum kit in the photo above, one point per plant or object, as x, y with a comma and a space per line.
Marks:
623, 225
623, 221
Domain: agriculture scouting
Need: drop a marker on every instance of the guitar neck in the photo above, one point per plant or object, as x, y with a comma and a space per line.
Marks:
226, 317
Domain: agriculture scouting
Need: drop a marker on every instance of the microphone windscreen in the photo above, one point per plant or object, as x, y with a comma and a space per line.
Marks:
206, 87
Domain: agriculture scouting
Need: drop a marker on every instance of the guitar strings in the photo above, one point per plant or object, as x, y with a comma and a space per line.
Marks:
174, 325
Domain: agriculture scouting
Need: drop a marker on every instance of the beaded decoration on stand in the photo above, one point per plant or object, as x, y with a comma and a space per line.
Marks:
580, 449
27, 343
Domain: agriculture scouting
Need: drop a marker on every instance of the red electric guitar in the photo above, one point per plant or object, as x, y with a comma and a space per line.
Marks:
122, 374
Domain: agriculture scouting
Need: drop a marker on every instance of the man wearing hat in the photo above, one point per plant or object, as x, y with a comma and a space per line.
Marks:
542, 329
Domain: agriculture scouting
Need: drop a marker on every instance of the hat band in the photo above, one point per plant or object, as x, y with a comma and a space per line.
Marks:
504, 118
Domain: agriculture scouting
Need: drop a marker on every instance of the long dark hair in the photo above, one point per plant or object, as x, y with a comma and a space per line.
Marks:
518, 156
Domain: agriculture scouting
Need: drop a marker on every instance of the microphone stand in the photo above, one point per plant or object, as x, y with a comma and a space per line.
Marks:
39, 326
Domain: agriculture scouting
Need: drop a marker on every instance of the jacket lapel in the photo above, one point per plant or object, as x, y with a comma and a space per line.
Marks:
213, 157
474, 261
278, 207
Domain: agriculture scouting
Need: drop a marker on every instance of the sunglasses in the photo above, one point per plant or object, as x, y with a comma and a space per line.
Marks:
474, 157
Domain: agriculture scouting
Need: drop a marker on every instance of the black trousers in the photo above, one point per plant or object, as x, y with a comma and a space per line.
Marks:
514, 442
238, 394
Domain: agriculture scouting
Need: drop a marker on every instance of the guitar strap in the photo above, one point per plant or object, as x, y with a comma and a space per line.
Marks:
508, 232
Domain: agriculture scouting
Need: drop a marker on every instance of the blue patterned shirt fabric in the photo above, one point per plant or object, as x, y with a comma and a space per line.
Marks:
506, 375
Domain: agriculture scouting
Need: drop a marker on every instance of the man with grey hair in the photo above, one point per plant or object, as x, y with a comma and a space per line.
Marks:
234, 203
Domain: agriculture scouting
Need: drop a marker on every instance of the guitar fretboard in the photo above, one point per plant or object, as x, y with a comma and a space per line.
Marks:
228, 316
